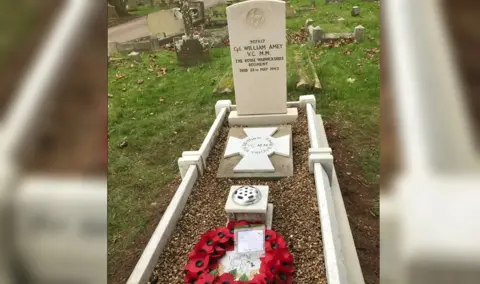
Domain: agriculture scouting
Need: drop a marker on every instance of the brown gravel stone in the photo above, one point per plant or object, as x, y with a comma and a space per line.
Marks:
295, 214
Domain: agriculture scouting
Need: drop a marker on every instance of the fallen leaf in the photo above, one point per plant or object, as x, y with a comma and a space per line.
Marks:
131, 65
120, 75
124, 143
159, 74
150, 69
350, 80
140, 81
124, 89
161, 100
110, 95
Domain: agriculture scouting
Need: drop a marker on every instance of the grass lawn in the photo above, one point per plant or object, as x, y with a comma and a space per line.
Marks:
160, 117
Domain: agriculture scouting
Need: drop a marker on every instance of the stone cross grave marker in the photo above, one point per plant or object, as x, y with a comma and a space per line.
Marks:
258, 50
256, 149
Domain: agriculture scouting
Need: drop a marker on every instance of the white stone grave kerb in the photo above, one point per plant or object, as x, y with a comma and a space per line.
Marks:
256, 149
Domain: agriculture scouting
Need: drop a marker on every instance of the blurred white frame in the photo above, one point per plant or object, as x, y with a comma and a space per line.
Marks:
428, 216
70, 201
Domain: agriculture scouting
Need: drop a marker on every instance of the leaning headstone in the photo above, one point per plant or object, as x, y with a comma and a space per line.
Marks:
341, 21
132, 5
317, 34
112, 13
135, 56
165, 22
355, 11
358, 33
308, 22
192, 51
258, 51
112, 48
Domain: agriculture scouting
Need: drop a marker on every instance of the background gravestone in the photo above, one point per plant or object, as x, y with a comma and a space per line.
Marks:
191, 51
165, 22
258, 51
333, 1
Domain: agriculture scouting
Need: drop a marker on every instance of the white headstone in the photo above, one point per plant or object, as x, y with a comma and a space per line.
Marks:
258, 49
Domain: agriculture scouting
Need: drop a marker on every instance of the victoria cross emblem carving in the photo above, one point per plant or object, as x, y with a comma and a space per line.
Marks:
255, 17
256, 148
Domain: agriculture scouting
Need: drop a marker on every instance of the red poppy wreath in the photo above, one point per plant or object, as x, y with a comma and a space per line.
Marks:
202, 268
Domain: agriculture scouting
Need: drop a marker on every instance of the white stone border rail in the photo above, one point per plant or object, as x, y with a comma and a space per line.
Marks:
341, 259
144, 268
191, 166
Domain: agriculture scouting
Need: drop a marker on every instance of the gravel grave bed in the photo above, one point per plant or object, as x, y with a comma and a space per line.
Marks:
295, 213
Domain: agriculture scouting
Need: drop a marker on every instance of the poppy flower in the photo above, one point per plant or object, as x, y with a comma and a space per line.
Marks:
270, 235
197, 264
205, 278
269, 268
222, 235
230, 245
207, 243
232, 224
195, 253
218, 252
278, 243
268, 258
225, 278
213, 263
259, 279
285, 259
190, 278
283, 278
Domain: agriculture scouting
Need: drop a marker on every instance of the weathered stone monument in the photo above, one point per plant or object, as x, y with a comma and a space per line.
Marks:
191, 50
131, 5
355, 11
112, 13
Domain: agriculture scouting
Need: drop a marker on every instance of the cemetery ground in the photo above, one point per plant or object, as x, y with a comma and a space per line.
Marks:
157, 110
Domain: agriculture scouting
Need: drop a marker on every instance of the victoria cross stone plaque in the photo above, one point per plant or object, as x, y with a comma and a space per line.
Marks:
256, 149
257, 152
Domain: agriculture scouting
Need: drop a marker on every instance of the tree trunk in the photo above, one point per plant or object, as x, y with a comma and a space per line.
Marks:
120, 7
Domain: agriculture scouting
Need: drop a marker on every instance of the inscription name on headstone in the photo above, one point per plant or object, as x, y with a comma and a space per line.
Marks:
258, 50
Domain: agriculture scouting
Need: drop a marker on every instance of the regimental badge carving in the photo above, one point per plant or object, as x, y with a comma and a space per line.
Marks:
255, 18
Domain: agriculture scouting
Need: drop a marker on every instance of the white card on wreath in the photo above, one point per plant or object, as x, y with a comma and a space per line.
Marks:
250, 240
